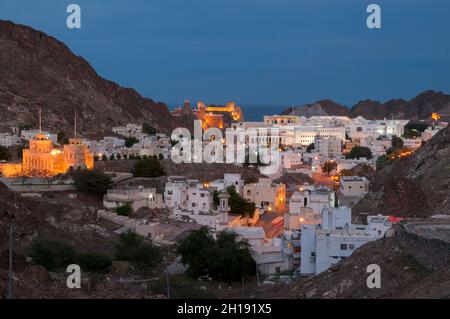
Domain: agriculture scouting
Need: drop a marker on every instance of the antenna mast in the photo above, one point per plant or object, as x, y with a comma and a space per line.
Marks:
75, 126
40, 121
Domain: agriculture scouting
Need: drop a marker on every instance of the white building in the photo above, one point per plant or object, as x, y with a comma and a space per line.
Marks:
312, 197
175, 192
30, 134
429, 133
328, 147
138, 197
353, 186
336, 238
266, 194
360, 128
130, 130
347, 164
266, 252
412, 143
291, 159
107, 146
378, 147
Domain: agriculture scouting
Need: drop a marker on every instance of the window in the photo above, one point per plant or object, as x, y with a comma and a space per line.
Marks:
202, 195
343, 246
351, 246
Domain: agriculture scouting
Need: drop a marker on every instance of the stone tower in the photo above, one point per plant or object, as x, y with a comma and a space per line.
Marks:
224, 209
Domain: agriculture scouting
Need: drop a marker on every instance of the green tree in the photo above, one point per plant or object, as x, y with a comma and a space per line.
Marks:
148, 129
92, 182
62, 138
230, 260
134, 249
124, 210
358, 152
310, 148
149, 167
130, 141
52, 255
329, 166
414, 130
382, 162
226, 258
238, 204
397, 142
20, 149
55, 255
4, 153
194, 251
94, 262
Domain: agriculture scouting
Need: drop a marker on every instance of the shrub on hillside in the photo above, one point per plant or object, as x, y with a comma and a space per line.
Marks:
92, 182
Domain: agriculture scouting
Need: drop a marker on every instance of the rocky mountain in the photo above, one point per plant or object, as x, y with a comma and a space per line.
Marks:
418, 186
39, 72
418, 108
319, 108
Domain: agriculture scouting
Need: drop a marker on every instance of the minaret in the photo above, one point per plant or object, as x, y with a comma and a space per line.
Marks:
223, 206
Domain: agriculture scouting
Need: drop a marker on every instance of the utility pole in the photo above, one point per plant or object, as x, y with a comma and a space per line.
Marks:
167, 276
10, 273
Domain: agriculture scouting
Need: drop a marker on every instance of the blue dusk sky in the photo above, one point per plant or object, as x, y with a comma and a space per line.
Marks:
255, 52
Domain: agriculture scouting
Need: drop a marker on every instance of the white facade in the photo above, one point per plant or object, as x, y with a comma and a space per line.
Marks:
136, 196
336, 238
291, 159
130, 130
30, 134
7, 140
412, 143
378, 147
328, 147
175, 192
107, 146
360, 128
316, 199
234, 180
348, 164
266, 252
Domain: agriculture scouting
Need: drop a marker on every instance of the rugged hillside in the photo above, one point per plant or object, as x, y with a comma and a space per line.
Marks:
38, 71
418, 186
68, 223
319, 108
420, 107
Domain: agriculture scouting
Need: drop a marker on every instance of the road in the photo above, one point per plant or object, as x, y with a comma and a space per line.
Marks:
272, 223
323, 180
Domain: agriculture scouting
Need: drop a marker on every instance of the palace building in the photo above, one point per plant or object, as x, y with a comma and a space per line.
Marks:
42, 159
213, 116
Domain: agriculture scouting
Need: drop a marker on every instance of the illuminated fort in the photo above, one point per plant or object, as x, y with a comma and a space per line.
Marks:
42, 159
213, 116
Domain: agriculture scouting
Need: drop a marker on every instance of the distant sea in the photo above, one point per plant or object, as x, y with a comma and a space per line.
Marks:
255, 113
